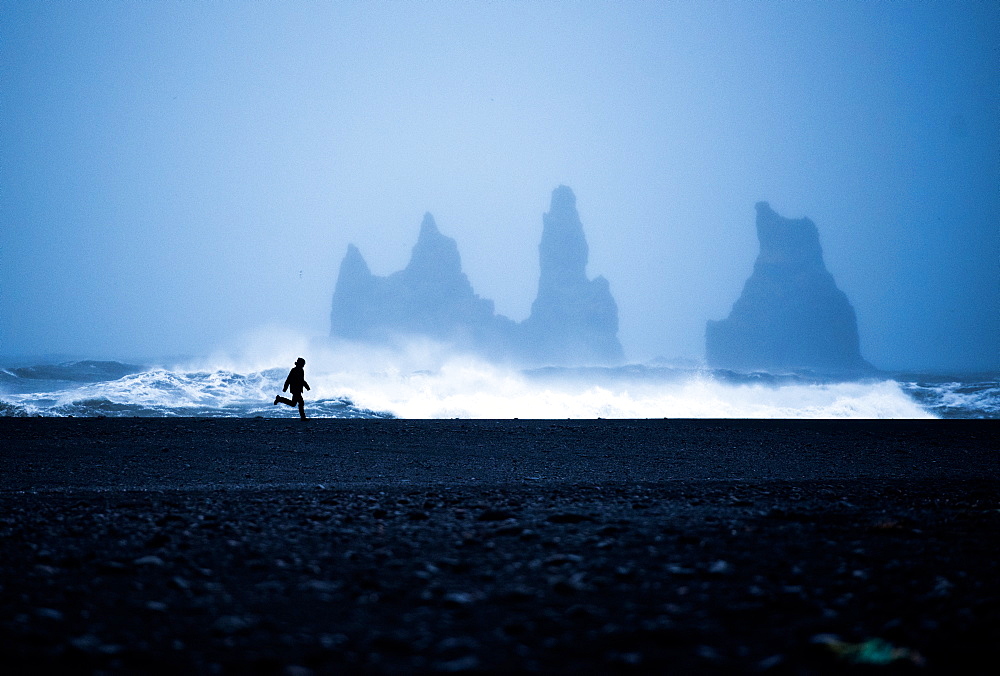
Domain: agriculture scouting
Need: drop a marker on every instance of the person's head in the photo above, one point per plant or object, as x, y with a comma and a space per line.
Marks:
300, 362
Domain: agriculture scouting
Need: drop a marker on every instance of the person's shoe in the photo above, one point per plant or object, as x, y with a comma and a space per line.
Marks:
276, 398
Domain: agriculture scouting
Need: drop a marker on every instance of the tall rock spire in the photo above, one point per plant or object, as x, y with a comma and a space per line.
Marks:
791, 315
563, 251
573, 320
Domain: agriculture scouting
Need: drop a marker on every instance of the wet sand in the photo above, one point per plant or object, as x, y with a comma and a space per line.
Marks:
395, 546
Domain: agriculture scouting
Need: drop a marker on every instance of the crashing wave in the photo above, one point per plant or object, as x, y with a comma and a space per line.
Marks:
948, 398
467, 388
162, 393
12, 411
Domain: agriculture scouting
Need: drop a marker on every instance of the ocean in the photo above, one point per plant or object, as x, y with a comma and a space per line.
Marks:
468, 388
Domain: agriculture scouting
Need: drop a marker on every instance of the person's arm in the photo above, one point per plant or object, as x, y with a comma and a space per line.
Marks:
285, 388
306, 384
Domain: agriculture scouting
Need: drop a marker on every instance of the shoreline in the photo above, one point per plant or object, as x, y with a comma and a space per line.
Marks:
79, 453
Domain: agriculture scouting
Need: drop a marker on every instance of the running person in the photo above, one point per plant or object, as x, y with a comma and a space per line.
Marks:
295, 381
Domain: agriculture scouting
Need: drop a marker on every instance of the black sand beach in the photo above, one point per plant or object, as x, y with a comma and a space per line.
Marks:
397, 546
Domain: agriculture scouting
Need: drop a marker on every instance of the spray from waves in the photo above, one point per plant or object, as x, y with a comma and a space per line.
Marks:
422, 379
473, 390
425, 380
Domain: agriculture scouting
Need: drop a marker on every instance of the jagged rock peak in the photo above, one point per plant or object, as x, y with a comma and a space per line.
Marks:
354, 259
428, 226
431, 297
355, 285
353, 269
434, 253
786, 241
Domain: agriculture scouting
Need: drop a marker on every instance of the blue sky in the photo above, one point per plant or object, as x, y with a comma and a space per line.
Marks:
175, 175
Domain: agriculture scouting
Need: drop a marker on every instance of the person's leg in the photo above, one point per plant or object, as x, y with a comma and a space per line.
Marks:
302, 404
283, 400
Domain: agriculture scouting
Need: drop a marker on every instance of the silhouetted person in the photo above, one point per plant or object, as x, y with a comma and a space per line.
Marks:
295, 381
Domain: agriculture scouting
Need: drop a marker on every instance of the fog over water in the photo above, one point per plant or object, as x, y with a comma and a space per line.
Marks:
176, 176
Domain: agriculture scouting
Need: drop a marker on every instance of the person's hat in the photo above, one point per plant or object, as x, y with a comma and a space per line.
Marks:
300, 362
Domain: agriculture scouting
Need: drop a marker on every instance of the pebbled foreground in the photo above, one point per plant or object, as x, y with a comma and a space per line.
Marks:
236, 546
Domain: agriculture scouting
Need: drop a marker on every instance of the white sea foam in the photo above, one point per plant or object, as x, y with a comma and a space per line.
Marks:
423, 380
474, 390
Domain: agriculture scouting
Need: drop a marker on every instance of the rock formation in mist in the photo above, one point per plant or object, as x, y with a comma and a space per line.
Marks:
574, 321
430, 297
791, 315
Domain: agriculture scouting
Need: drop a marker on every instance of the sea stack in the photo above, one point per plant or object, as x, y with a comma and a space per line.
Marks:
431, 297
791, 315
574, 320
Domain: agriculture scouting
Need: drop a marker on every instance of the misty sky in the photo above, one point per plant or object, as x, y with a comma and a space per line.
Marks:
175, 175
